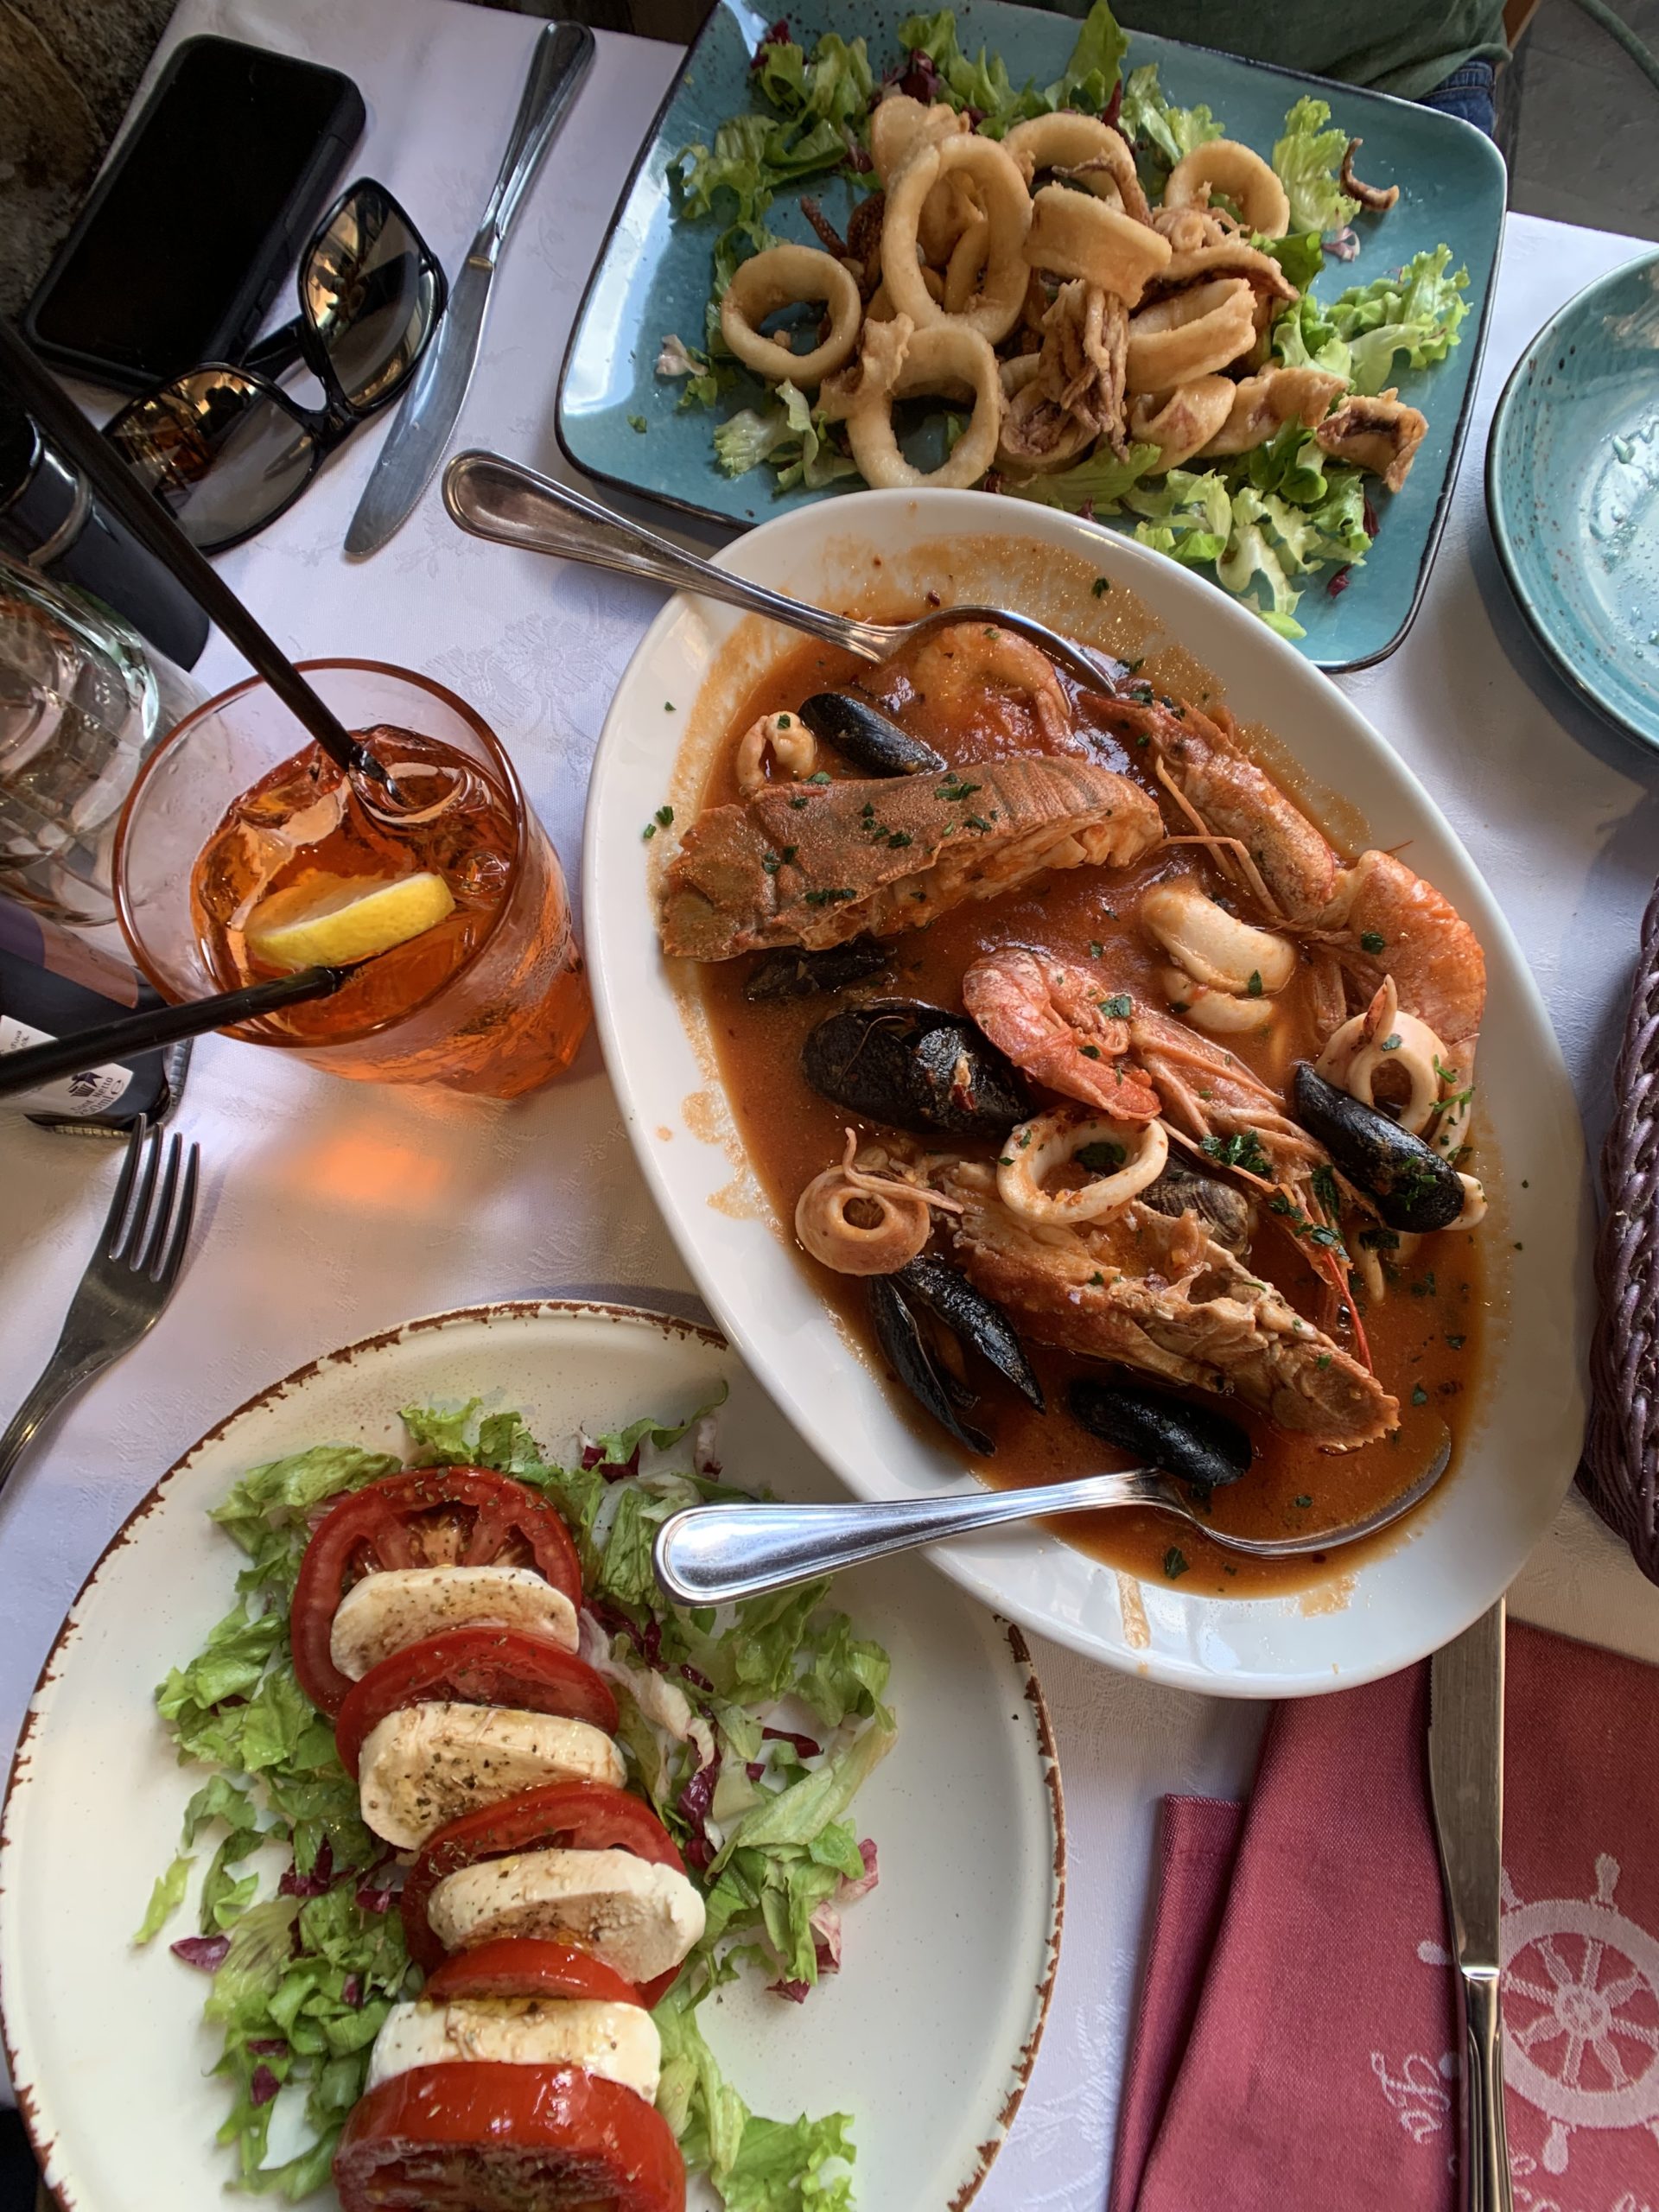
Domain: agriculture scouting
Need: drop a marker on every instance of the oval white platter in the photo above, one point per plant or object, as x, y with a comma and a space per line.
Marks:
927, 2035
692, 668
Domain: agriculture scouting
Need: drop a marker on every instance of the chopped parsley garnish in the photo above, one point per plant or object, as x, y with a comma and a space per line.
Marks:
1326, 1189
1101, 1157
1372, 941
1419, 1396
1094, 950
898, 839
798, 803
829, 898
665, 816
1118, 1007
1323, 1360
1100, 587
1425, 1287
784, 723
1089, 1052
649, 831
1254, 987
822, 776
770, 863
638, 423
1391, 1042
1242, 1150
1457, 1342
1379, 1240
1175, 1561
1304, 1501
1096, 1281
668, 706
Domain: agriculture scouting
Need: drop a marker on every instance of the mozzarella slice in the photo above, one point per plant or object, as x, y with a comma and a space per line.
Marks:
618, 2041
638, 1917
387, 1612
430, 1764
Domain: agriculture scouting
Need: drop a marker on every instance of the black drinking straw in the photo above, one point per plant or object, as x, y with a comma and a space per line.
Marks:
154, 529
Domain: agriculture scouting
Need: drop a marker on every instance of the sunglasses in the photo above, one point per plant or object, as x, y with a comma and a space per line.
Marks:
223, 448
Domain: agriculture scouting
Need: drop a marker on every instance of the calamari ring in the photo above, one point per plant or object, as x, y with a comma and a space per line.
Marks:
1075, 235
1190, 334
903, 1224
882, 309
777, 279
967, 261
1181, 423
1099, 155
1041, 1146
1223, 165
943, 359
1007, 206
1017, 451
899, 128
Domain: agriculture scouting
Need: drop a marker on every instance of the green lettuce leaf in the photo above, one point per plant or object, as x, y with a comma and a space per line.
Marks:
1300, 254
1160, 134
835, 85
1250, 553
1307, 159
1090, 76
1097, 483
786, 433
1304, 336
1416, 312
165, 1898
1185, 514
1293, 464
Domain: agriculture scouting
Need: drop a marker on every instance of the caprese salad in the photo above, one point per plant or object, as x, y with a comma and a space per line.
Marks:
529, 1815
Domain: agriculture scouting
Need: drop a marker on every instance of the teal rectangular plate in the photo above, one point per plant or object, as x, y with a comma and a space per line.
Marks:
653, 278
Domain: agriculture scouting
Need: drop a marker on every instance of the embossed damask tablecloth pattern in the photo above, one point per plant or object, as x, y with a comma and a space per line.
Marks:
330, 1210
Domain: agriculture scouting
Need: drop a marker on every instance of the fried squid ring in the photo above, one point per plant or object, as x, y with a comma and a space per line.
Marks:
902, 1223
1180, 424
1075, 235
945, 359
1223, 165
899, 128
1051, 1141
1005, 204
1190, 334
1263, 404
1037, 436
967, 262
777, 279
1087, 150
881, 309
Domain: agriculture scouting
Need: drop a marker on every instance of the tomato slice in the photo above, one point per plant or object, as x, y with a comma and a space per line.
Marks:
467, 2137
432, 1517
560, 1816
529, 1966
473, 1665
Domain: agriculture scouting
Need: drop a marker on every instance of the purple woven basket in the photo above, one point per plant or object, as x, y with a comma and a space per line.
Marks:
1620, 1473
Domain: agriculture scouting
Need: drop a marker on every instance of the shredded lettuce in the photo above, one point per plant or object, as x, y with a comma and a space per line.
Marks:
1096, 484
1307, 159
1087, 81
833, 84
302, 1980
1416, 312
1250, 553
786, 433
1160, 134
1185, 514
1304, 337
1300, 254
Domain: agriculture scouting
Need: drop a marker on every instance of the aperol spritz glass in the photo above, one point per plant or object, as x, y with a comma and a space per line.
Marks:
238, 804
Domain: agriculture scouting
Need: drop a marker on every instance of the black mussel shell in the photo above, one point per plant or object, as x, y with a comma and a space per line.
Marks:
1412, 1185
862, 735
899, 1334
1194, 1442
792, 974
1226, 1213
973, 1319
914, 1067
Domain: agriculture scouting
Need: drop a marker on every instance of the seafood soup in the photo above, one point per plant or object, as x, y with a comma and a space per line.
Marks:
1118, 1112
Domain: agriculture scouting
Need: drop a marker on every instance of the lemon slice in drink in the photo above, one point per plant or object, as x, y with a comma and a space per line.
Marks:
331, 919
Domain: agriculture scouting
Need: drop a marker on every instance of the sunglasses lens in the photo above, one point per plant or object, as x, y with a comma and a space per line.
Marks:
220, 450
372, 292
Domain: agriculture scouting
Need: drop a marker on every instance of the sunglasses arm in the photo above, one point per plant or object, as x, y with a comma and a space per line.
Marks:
279, 350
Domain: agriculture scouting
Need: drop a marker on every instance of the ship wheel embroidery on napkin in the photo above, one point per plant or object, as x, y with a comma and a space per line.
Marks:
1581, 2020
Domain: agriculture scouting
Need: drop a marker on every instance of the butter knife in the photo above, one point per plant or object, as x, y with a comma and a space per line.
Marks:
410, 457
1465, 1774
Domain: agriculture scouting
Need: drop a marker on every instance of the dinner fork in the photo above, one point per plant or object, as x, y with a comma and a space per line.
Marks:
128, 1280
502, 500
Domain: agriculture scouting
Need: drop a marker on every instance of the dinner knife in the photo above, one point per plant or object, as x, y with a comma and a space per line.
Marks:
410, 457
1465, 1774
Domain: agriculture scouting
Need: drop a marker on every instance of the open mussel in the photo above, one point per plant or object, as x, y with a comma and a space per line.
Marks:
862, 735
927, 1287
790, 973
1413, 1187
1194, 1442
973, 1319
916, 1067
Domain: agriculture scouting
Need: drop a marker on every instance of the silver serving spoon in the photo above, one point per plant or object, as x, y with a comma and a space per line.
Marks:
709, 1555
499, 499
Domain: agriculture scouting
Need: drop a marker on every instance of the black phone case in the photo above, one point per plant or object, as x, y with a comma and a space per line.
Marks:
249, 303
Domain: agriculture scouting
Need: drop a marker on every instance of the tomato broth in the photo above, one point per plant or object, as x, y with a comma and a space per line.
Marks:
1425, 1335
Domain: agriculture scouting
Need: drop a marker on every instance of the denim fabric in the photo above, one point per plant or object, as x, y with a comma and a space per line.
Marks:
1469, 92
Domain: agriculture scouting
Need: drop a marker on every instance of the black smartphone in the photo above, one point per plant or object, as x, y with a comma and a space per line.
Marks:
197, 220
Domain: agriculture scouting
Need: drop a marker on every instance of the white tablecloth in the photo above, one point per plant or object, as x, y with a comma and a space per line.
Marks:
299, 1249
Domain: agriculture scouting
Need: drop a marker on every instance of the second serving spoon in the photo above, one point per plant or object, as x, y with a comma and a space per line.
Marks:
500, 499
713, 1554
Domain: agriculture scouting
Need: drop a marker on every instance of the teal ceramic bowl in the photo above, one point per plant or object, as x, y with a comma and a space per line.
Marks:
621, 423
1573, 491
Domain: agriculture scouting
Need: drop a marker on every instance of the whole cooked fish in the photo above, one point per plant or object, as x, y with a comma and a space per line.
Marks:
1165, 1296
814, 864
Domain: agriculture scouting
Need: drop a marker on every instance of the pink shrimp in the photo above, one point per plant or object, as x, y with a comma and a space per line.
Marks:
1051, 1018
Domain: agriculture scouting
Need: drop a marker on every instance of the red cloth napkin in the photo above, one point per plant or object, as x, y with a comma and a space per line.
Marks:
1295, 2050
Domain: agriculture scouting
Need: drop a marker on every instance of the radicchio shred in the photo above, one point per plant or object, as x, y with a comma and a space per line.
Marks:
317, 1883
262, 2088
206, 1952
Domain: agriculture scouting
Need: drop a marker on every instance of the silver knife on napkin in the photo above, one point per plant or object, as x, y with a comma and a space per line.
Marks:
409, 459
1465, 1774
